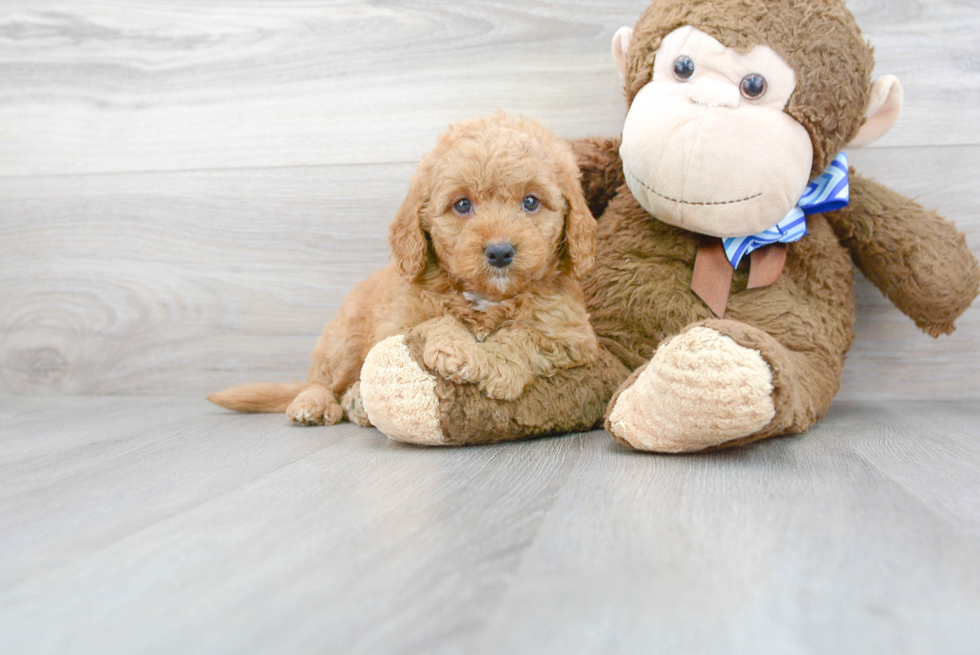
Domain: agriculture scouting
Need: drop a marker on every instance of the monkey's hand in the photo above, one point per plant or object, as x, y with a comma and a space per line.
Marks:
602, 170
919, 260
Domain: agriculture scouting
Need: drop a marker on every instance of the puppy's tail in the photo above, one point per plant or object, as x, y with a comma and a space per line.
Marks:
267, 397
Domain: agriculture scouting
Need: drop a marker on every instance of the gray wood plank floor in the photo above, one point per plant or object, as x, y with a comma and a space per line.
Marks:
165, 525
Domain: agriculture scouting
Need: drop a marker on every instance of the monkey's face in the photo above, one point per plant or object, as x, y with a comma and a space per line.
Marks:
707, 146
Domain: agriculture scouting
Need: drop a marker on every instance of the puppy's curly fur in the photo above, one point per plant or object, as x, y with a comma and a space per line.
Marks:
495, 326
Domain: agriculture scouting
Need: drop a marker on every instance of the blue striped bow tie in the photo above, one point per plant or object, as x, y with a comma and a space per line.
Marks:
828, 192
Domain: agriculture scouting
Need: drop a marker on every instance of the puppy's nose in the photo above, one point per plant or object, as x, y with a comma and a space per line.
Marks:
499, 254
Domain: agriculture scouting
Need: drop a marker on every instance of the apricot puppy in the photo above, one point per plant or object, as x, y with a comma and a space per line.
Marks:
487, 249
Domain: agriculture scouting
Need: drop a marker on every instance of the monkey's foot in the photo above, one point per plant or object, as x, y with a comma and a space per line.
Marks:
399, 396
700, 390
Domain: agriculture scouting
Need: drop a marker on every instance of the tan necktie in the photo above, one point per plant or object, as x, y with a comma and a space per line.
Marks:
712, 279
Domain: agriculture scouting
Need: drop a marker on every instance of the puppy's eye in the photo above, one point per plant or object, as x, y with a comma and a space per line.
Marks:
463, 206
683, 68
530, 204
753, 86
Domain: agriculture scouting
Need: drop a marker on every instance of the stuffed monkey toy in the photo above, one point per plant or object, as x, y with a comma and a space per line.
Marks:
729, 228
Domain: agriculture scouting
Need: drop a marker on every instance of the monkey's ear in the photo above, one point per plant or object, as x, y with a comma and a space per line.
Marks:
409, 247
620, 47
882, 111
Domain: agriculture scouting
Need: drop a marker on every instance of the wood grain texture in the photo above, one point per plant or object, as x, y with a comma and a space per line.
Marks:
189, 189
172, 283
166, 525
158, 85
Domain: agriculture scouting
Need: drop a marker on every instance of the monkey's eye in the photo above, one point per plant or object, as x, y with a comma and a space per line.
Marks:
683, 68
753, 86
531, 204
463, 206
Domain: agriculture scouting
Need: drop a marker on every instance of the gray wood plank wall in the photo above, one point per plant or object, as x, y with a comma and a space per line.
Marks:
189, 188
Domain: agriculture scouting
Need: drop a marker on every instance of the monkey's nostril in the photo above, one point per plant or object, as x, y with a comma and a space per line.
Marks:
499, 254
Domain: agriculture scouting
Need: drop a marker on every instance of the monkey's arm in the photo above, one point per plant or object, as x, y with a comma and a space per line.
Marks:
602, 170
919, 260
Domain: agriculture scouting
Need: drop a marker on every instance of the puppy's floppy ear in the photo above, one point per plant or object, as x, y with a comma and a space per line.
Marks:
409, 246
580, 227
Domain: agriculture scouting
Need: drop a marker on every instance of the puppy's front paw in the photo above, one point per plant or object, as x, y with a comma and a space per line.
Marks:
454, 360
315, 406
503, 385
353, 406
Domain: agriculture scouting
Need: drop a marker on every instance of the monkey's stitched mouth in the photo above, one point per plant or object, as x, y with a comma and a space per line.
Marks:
687, 202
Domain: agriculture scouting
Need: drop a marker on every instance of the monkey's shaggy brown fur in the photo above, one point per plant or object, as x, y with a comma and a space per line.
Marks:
639, 294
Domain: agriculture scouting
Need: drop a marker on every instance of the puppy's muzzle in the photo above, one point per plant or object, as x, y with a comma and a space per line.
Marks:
499, 255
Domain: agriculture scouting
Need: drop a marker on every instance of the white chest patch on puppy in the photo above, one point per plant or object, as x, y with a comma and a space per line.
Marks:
479, 303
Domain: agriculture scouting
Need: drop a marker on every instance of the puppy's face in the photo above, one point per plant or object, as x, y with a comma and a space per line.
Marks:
496, 214
500, 206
